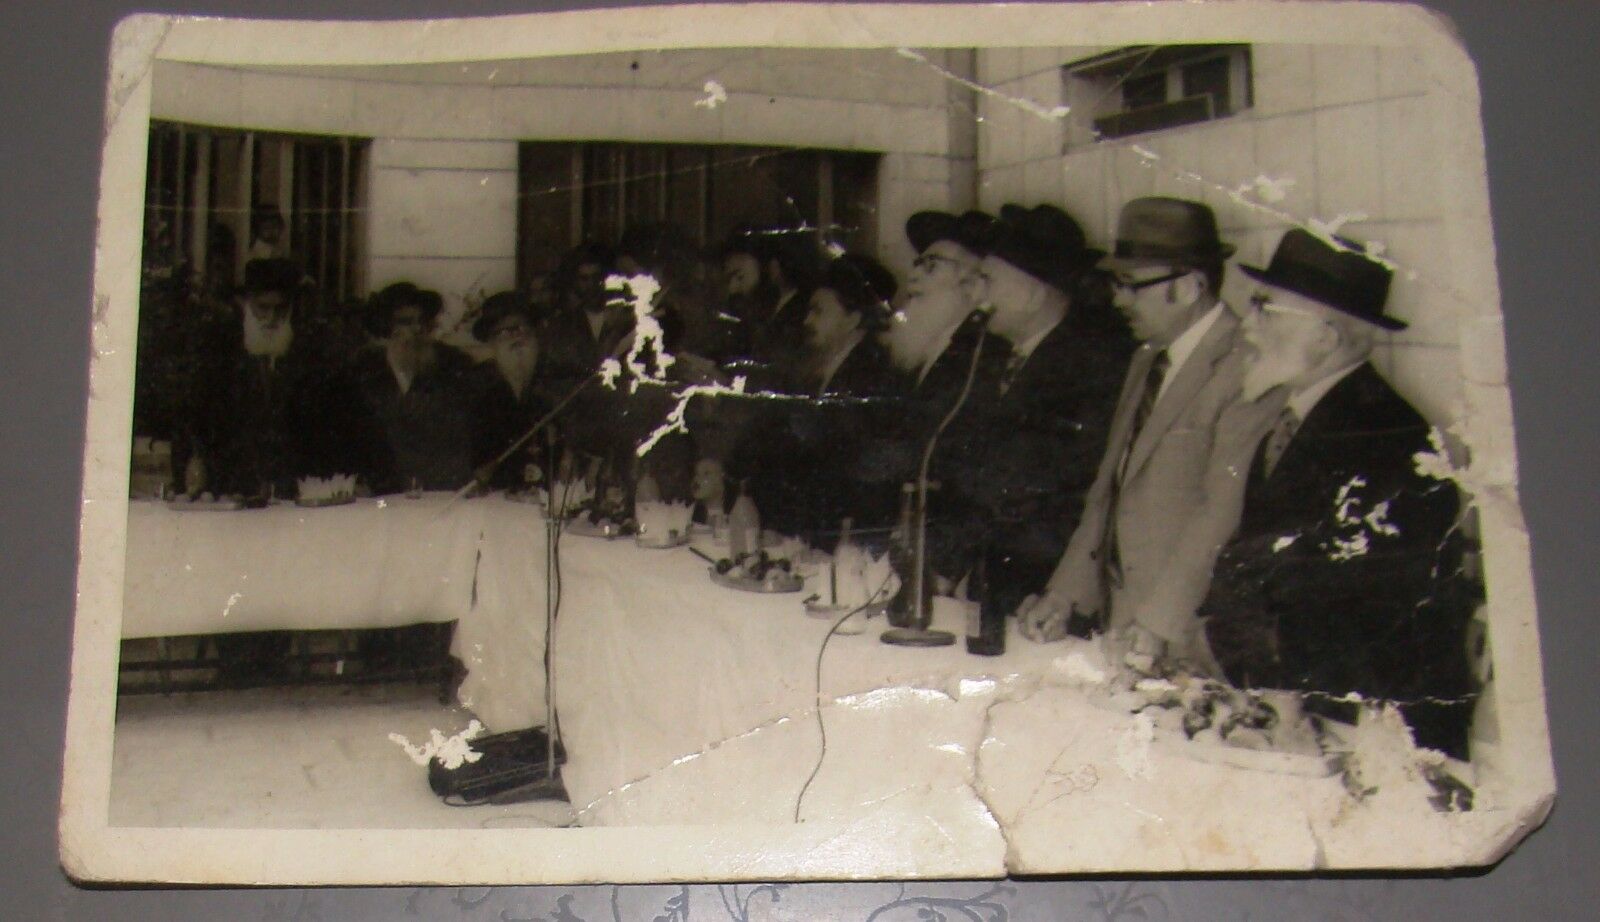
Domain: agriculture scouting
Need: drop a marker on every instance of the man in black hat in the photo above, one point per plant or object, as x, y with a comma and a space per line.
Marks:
511, 396
256, 412
1047, 429
253, 417
415, 398
1339, 571
805, 459
954, 364
937, 298
1167, 271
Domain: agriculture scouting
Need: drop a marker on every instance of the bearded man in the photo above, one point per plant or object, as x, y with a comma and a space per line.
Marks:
511, 396
1337, 561
252, 417
415, 397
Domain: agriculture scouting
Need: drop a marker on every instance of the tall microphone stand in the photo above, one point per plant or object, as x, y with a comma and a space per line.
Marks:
919, 633
551, 788
552, 573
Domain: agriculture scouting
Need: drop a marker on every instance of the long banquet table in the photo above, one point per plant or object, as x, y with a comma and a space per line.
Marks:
685, 703
682, 702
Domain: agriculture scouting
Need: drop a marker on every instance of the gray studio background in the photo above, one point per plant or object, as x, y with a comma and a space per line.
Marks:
1538, 76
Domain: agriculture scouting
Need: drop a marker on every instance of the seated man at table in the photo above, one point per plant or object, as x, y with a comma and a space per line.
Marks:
252, 401
254, 425
1337, 561
414, 398
954, 365
1048, 427
804, 457
511, 397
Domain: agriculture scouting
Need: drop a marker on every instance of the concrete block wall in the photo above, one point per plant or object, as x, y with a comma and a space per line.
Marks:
442, 214
1351, 126
442, 171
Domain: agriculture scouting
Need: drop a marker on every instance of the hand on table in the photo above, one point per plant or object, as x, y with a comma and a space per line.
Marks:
1045, 618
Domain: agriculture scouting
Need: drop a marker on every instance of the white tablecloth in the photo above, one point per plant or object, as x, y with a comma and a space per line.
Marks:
682, 702
375, 563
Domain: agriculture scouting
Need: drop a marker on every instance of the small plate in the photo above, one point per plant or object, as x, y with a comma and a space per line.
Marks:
787, 583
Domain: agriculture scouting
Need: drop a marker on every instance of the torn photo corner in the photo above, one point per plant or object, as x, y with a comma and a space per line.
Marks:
798, 442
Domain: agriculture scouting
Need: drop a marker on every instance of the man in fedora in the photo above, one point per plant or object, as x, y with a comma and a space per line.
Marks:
1339, 567
1167, 270
1047, 429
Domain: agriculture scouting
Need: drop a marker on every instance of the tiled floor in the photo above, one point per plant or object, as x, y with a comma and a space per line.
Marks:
309, 758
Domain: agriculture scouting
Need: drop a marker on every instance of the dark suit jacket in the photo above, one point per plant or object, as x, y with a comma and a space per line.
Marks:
803, 457
500, 418
423, 436
1344, 573
1045, 436
954, 510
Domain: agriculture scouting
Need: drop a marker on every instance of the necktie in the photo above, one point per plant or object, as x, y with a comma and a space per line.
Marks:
1147, 400
1277, 441
1013, 365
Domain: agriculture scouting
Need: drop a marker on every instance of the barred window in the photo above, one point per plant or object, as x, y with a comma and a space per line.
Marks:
208, 191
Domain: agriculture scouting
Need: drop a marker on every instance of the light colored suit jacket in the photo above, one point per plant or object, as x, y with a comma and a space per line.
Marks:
1162, 480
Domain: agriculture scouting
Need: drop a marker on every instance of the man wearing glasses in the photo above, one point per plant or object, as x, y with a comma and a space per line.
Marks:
1339, 570
1167, 269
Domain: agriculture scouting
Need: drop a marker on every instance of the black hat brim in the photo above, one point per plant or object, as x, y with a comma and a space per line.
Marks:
1261, 275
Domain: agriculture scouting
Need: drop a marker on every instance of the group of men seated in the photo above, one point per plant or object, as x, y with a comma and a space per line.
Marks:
1229, 489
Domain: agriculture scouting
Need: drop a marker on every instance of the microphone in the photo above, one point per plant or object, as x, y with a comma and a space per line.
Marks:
918, 633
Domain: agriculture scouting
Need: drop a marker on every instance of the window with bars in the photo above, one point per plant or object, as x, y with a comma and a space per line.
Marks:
572, 192
206, 189
1146, 88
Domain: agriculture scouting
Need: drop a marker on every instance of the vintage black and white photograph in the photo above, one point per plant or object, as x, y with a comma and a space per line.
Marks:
771, 444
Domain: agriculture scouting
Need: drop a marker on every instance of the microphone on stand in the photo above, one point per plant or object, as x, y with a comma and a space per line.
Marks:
917, 631
543, 423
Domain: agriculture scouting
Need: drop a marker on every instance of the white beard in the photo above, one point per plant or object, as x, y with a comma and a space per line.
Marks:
517, 363
263, 342
1266, 371
917, 327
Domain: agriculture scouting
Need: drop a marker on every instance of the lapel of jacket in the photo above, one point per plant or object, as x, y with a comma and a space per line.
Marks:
1317, 460
1196, 371
1132, 387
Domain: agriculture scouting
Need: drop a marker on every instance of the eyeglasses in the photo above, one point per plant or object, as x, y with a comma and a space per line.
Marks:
928, 262
512, 329
1262, 303
1127, 284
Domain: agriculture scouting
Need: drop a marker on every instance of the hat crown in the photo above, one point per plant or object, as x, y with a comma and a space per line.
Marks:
970, 230
1342, 277
1043, 241
1160, 228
